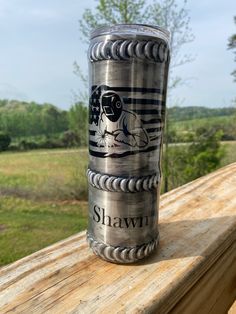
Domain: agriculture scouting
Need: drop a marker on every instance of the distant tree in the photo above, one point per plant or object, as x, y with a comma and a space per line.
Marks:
5, 141
165, 13
110, 12
78, 122
232, 45
174, 17
50, 116
22, 119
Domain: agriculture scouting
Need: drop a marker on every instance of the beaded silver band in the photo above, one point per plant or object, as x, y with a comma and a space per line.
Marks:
156, 51
122, 255
119, 184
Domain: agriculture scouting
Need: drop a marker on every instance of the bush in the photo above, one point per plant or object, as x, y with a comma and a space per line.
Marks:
204, 154
51, 143
70, 139
228, 137
13, 148
5, 141
26, 145
43, 143
188, 162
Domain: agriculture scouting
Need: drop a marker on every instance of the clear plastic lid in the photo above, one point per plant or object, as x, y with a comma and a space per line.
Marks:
124, 30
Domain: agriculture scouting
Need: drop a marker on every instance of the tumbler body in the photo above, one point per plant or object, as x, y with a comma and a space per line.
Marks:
128, 70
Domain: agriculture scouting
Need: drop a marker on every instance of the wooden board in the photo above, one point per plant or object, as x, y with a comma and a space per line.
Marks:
233, 309
193, 271
215, 291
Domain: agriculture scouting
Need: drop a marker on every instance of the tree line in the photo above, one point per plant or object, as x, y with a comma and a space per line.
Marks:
198, 112
28, 125
22, 119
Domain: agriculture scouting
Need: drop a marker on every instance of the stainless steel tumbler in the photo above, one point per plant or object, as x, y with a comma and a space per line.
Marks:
128, 83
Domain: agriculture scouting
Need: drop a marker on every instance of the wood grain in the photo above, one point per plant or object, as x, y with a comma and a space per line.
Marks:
193, 271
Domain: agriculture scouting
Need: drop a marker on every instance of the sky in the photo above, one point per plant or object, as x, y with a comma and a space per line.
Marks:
40, 41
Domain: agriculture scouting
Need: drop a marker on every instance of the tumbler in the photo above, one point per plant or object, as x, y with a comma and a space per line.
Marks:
128, 71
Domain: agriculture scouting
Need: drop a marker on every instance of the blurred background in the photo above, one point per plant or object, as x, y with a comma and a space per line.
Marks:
44, 106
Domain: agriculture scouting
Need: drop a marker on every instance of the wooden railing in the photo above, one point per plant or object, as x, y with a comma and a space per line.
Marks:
193, 271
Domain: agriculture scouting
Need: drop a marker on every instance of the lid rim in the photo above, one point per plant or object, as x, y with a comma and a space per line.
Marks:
113, 30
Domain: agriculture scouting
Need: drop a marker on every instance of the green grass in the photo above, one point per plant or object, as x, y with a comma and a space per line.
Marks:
55, 174
27, 226
39, 193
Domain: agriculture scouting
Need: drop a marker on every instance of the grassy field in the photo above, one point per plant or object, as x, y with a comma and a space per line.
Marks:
49, 174
27, 226
43, 198
34, 187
